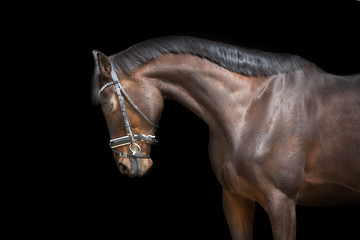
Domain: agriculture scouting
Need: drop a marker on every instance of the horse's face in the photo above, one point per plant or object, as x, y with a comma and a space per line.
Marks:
148, 99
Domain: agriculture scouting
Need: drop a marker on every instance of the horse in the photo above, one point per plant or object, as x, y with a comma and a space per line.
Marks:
283, 132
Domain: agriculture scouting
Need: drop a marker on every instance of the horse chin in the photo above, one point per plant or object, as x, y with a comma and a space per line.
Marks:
134, 167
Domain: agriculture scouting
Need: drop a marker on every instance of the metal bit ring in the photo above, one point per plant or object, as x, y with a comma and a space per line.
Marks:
133, 150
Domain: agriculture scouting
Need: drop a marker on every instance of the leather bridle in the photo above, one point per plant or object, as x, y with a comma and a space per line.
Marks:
131, 138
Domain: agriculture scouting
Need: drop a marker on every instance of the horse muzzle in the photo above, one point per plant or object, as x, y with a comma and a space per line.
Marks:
132, 161
133, 166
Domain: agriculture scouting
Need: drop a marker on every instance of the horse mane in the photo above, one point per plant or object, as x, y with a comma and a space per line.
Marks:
248, 62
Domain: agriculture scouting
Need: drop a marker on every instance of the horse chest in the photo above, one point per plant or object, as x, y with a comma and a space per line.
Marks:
236, 175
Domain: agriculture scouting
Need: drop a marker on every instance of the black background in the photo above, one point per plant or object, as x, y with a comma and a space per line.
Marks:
77, 190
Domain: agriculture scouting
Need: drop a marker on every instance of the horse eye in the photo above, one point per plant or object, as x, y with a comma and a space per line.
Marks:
108, 107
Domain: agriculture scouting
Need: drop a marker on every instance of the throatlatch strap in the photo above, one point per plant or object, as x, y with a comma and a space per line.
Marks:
116, 79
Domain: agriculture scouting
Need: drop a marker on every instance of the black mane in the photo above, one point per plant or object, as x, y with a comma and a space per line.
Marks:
244, 61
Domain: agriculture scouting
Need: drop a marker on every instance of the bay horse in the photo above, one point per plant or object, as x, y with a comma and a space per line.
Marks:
282, 131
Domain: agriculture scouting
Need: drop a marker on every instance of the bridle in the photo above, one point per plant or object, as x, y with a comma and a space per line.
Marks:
131, 138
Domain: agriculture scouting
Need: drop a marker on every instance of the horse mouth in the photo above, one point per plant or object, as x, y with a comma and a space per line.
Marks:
134, 167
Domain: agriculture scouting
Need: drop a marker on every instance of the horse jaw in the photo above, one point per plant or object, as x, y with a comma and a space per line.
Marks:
134, 167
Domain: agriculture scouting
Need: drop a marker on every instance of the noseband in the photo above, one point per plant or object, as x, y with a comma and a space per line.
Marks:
131, 138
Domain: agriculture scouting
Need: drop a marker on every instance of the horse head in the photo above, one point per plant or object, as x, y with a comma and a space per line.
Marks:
132, 107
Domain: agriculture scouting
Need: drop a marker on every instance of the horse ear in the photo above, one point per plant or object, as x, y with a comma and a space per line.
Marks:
103, 63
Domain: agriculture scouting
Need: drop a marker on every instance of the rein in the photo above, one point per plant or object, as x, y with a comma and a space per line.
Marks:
131, 138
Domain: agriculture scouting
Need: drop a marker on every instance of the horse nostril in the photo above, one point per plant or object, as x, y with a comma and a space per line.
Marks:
127, 166
122, 168
124, 165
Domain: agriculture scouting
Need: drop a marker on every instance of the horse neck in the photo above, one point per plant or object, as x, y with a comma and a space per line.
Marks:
216, 95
